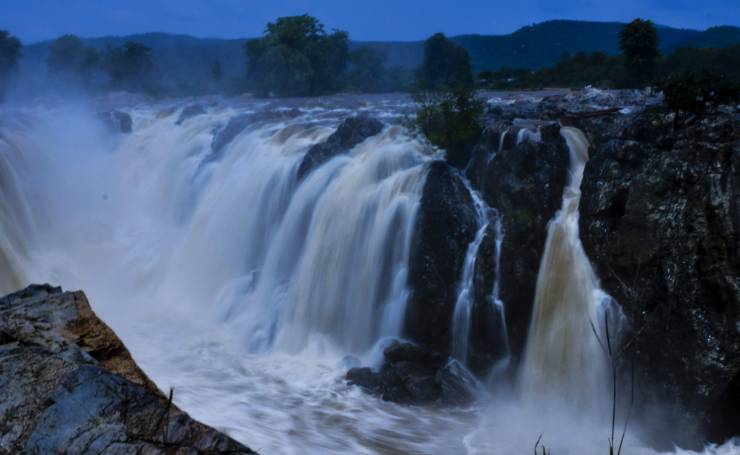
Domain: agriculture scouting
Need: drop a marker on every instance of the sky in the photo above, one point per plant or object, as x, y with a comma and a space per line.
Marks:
36, 20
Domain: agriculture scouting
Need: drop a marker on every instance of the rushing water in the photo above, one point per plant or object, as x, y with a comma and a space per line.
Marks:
246, 288
563, 357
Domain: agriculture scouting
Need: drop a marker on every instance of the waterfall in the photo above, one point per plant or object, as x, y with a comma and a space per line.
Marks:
489, 223
235, 237
563, 358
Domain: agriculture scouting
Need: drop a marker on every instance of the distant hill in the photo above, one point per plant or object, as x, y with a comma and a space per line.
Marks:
723, 36
185, 60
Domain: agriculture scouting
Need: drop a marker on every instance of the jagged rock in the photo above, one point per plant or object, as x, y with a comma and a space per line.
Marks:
118, 121
660, 220
413, 374
69, 385
445, 226
350, 133
189, 112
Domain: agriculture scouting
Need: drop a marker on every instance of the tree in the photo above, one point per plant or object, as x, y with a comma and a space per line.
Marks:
131, 67
638, 41
446, 66
296, 57
448, 111
10, 53
69, 57
366, 72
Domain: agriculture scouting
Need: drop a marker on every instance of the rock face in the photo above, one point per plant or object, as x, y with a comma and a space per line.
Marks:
660, 220
68, 385
350, 133
414, 375
445, 227
524, 181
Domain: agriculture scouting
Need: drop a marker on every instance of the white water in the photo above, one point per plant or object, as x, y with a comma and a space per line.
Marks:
462, 314
239, 286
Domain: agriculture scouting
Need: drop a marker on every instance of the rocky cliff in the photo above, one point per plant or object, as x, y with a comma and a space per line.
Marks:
69, 385
660, 220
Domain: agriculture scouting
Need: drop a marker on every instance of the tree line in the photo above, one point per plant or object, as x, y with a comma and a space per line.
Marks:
297, 56
129, 67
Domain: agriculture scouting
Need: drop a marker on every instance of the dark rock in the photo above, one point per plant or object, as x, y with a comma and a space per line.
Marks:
412, 374
69, 385
350, 133
524, 182
117, 121
660, 220
225, 135
189, 112
445, 227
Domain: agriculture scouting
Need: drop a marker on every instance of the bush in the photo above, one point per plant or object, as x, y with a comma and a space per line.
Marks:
694, 93
450, 120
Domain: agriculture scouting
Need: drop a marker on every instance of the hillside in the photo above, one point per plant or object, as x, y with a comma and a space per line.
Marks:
185, 61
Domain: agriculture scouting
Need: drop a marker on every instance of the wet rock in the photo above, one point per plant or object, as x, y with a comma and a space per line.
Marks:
524, 181
445, 226
118, 121
660, 220
69, 385
412, 374
350, 133
225, 135
189, 112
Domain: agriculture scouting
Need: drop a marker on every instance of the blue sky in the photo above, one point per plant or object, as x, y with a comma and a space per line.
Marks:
34, 20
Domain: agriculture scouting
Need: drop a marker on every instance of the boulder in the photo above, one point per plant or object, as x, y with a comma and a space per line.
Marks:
412, 374
445, 226
69, 385
228, 133
189, 112
660, 221
350, 133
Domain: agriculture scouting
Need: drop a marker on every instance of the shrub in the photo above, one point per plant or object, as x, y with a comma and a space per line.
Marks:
450, 120
694, 93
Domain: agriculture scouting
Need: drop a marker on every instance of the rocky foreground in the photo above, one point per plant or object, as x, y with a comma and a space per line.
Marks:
69, 385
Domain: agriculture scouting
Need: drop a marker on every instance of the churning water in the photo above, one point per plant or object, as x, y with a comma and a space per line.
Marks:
250, 290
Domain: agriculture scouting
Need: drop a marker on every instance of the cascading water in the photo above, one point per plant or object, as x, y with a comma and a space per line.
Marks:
563, 358
489, 223
244, 287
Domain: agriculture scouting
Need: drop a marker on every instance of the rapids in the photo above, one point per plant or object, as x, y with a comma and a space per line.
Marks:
250, 291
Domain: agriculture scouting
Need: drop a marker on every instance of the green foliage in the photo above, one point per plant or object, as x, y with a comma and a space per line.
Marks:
638, 41
69, 57
446, 66
448, 112
131, 67
10, 53
450, 120
296, 57
694, 93
366, 72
